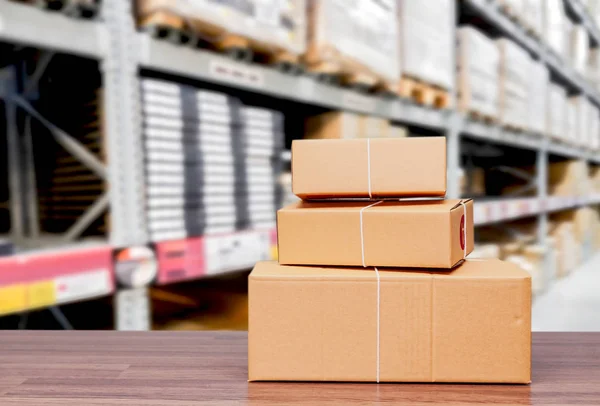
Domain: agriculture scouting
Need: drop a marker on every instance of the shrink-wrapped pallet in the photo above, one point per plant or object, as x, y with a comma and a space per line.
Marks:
514, 84
571, 121
556, 116
272, 26
478, 60
579, 46
538, 97
582, 107
533, 12
427, 41
554, 25
354, 38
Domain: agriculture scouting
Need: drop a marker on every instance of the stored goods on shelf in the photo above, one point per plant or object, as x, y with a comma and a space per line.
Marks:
478, 63
397, 131
432, 233
414, 166
538, 97
593, 68
272, 27
556, 118
427, 41
324, 324
568, 178
514, 82
571, 120
374, 127
554, 25
487, 250
357, 41
211, 163
579, 48
533, 13
472, 182
583, 111
336, 124
582, 219
568, 248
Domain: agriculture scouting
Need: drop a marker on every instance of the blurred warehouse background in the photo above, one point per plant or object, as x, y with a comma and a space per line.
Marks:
145, 146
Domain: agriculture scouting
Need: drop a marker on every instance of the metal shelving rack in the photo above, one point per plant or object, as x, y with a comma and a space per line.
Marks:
122, 51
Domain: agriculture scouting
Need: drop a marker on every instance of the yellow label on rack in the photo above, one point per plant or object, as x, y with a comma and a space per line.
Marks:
41, 294
12, 299
274, 253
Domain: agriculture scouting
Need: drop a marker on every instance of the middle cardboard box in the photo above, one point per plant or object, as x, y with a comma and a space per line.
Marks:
412, 233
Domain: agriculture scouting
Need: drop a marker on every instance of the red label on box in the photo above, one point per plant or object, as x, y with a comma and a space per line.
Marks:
462, 232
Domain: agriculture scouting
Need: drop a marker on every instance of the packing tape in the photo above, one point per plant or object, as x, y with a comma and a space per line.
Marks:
362, 234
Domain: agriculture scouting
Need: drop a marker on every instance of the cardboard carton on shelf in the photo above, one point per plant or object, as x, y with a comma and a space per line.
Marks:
568, 248
414, 166
568, 178
374, 127
418, 233
333, 125
471, 324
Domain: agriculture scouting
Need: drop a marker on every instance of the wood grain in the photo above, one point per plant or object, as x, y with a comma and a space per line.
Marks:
209, 368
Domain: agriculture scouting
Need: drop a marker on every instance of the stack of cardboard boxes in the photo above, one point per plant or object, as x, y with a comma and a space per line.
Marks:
373, 283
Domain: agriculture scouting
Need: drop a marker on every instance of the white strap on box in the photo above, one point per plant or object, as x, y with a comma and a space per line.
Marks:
362, 233
378, 307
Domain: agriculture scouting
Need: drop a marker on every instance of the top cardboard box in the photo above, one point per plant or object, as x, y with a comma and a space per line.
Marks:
362, 168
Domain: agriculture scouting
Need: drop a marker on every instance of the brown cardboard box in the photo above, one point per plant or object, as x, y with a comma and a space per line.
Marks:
397, 167
333, 125
418, 233
374, 127
472, 324
568, 178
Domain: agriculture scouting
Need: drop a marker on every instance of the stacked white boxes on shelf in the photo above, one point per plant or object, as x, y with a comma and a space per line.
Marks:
427, 41
533, 12
579, 48
207, 159
554, 23
571, 120
538, 97
556, 117
478, 60
257, 162
514, 82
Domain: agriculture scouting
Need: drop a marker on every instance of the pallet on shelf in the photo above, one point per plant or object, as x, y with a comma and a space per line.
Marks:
230, 29
482, 117
362, 53
73, 8
423, 93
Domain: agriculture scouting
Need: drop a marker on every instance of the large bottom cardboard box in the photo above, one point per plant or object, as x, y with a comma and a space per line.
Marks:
472, 324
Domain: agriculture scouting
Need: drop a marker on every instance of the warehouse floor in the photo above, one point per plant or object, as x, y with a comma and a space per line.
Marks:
571, 303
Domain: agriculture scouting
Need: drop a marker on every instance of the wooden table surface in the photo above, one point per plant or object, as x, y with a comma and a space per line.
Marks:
195, 368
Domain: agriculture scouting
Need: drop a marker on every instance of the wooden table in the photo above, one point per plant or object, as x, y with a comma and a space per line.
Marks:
195, 368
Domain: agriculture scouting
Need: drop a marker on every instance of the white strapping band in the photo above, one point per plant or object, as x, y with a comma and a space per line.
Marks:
362, 234
378, 306
464, 228
369, 166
